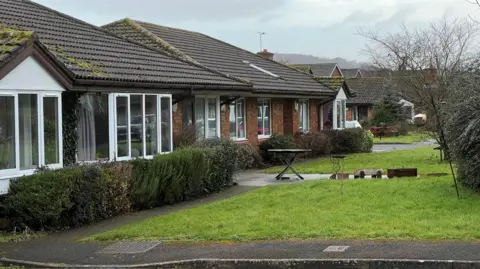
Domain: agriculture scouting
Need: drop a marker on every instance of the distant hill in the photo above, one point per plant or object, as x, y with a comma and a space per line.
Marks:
293, 58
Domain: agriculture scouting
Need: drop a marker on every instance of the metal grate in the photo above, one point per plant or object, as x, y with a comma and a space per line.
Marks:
129, 247
336, 249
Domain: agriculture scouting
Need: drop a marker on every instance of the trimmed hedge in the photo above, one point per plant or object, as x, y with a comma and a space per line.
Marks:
76, 196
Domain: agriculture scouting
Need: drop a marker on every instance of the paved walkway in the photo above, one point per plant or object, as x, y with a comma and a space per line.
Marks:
393, 147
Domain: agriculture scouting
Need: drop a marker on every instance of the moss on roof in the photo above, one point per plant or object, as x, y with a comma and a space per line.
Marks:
303, 68
333, 83
11, 38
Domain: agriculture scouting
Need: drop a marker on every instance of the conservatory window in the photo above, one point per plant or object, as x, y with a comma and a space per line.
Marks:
137, 132
303, 115
339, 110
30, 132
237, 119
264, 118
207, 112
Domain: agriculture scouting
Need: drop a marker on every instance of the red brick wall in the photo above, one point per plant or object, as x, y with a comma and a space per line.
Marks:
314, 115
288, 107
177, 120
370, 112
252, 120
350, 113
225, 120
277, 116
336, 72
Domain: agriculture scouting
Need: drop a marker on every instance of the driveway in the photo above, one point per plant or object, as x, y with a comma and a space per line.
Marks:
392, 147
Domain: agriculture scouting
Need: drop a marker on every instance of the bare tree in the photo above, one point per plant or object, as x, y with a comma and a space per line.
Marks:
425, 63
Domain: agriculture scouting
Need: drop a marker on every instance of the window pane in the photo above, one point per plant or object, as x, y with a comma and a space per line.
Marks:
200, 116
166, 114
7, 133
137, 122
241, 119
339, 114
260, 117
51, 130
344, 110
122, 126
93, 130
233, 120
267, 117
151, 124
212, 117
28, 123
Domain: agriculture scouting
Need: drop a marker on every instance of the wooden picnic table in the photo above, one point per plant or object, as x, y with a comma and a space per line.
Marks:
288, 156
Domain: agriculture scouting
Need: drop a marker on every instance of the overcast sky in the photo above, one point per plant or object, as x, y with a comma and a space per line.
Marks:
318, 27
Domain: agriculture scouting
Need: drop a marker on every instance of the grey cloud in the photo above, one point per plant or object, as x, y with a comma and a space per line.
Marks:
171, 10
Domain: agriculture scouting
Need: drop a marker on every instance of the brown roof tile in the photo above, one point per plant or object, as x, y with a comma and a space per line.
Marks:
368, 90
95, 54
264, 74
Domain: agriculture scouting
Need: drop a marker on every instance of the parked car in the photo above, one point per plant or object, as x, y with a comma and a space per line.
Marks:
352, 124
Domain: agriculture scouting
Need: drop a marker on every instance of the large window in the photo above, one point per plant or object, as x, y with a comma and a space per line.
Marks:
264, 118
237, 119
123, 126
30, 132
136, 130
207, 111
339, 116
303, 121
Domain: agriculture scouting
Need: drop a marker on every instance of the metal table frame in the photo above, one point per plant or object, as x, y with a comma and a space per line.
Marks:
288, 156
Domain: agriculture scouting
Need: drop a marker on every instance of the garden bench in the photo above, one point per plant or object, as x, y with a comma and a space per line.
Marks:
361, 173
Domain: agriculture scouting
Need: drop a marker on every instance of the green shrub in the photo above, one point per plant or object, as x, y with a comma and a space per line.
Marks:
318, 142
40, 200
118, 175
248, 157
352, 140
222, 162
275, 142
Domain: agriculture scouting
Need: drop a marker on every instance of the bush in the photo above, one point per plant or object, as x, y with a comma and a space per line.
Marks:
275, 142
248, 157
319, 143
353, 140
118, 175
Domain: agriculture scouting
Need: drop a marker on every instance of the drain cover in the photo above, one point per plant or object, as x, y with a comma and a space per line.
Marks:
129, 247
336, 249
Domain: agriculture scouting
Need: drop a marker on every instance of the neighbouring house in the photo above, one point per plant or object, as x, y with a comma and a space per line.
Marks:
376, 73
368, 92
73, 92
320, 70
351, 73
284, 100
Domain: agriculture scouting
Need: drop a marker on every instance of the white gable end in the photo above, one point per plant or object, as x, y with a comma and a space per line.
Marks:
30, 75
341, 94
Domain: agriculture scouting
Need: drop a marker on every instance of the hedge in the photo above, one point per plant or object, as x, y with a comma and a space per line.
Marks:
80, 195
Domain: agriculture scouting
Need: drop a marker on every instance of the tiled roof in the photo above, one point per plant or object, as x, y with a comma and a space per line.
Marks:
350, 72
12, 42
375, 73
94, 54
318, 70
265, 75
331, 82
368, 90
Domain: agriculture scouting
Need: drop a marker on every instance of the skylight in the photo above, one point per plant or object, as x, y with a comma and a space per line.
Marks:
264, 71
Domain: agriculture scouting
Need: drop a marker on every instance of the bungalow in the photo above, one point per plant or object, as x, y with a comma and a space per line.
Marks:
368, 92
71, 91
320, 70
284, 100
351, 73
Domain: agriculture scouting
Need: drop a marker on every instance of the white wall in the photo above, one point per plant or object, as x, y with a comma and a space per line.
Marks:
30, 75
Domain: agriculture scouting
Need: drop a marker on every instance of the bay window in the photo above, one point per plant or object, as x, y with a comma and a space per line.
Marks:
124, 126
303, 112
30, 132
237, 119
264, 118
207, 113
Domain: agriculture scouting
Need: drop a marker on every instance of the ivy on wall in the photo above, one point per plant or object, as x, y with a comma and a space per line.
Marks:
70, 120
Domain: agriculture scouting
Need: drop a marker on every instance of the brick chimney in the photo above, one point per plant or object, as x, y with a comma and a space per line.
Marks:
266, 54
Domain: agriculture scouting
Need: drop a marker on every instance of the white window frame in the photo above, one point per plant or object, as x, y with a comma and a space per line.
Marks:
16, 172
342, 116
236, 138
261, 136
113, 134
306, 125
205, 120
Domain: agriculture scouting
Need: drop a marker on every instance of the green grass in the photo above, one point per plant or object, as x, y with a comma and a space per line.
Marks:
425, 159
411, 138
368, 209
10, 237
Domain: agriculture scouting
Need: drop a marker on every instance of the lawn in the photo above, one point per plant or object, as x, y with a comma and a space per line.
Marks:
10, 237
425, 159
411, 138
368, 209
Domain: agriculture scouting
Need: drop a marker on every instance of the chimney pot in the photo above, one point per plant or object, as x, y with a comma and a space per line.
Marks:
266, 54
